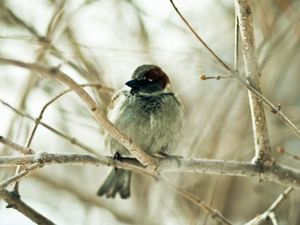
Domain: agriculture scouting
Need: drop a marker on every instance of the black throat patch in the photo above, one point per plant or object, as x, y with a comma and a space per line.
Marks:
150, 104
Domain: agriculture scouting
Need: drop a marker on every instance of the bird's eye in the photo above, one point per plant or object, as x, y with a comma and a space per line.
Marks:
150, 80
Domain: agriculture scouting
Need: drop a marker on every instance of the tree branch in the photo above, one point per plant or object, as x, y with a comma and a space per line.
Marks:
40, 117
15, 202
269, 213
276, 173
261, 137
20, 175
215, 214
199, 38
19, 148
72, 140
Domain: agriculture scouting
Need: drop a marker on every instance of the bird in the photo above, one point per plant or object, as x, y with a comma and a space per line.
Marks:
151, 114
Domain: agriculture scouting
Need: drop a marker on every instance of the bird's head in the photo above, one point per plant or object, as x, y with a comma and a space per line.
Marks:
148, 79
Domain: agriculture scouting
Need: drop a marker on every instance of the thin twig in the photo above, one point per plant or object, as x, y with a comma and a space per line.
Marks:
281, 150
274, 109
14, 201
82, 195
19, 148
215, 214
20, 175
199, 38
217, 77
269, 213
72, 140
40, 117
22, 23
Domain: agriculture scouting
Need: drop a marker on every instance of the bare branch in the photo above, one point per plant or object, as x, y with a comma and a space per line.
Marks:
15, 146
20, 175
215, 214
217, 77
276, 173
269, 213
268, 103
72, 140
199, 38
40, 117
15, 202
259, 123
274, 109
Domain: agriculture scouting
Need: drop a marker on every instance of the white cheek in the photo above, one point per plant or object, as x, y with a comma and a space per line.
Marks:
115, 112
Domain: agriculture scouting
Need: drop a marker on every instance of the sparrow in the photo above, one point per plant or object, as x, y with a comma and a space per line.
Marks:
150, 113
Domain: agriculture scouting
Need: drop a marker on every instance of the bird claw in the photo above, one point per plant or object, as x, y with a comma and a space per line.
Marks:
117, 156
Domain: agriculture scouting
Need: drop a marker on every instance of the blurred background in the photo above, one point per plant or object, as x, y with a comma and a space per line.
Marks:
103, 42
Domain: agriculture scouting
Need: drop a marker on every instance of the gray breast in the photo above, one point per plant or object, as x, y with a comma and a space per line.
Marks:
153, 122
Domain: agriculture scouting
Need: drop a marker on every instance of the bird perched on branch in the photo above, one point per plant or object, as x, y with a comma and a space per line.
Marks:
150, 114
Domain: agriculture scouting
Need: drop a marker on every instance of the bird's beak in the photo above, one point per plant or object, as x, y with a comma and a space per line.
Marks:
133, 84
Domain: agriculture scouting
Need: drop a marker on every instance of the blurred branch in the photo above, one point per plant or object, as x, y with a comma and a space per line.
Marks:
274, 109
98, 114
15, 202
77, 192
91, 69
20, 175
269, 213
41, 53
72, 140
281, 150
40, 117
199, 38
260, 131
215, 214
22, 23
19, 148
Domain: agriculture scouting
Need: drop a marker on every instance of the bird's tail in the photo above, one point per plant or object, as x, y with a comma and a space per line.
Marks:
118, 181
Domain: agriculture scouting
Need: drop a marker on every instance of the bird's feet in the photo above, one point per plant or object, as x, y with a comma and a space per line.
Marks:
117, 156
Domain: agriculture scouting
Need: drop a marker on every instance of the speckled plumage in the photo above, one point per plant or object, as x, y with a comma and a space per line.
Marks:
153, 122
152, 118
